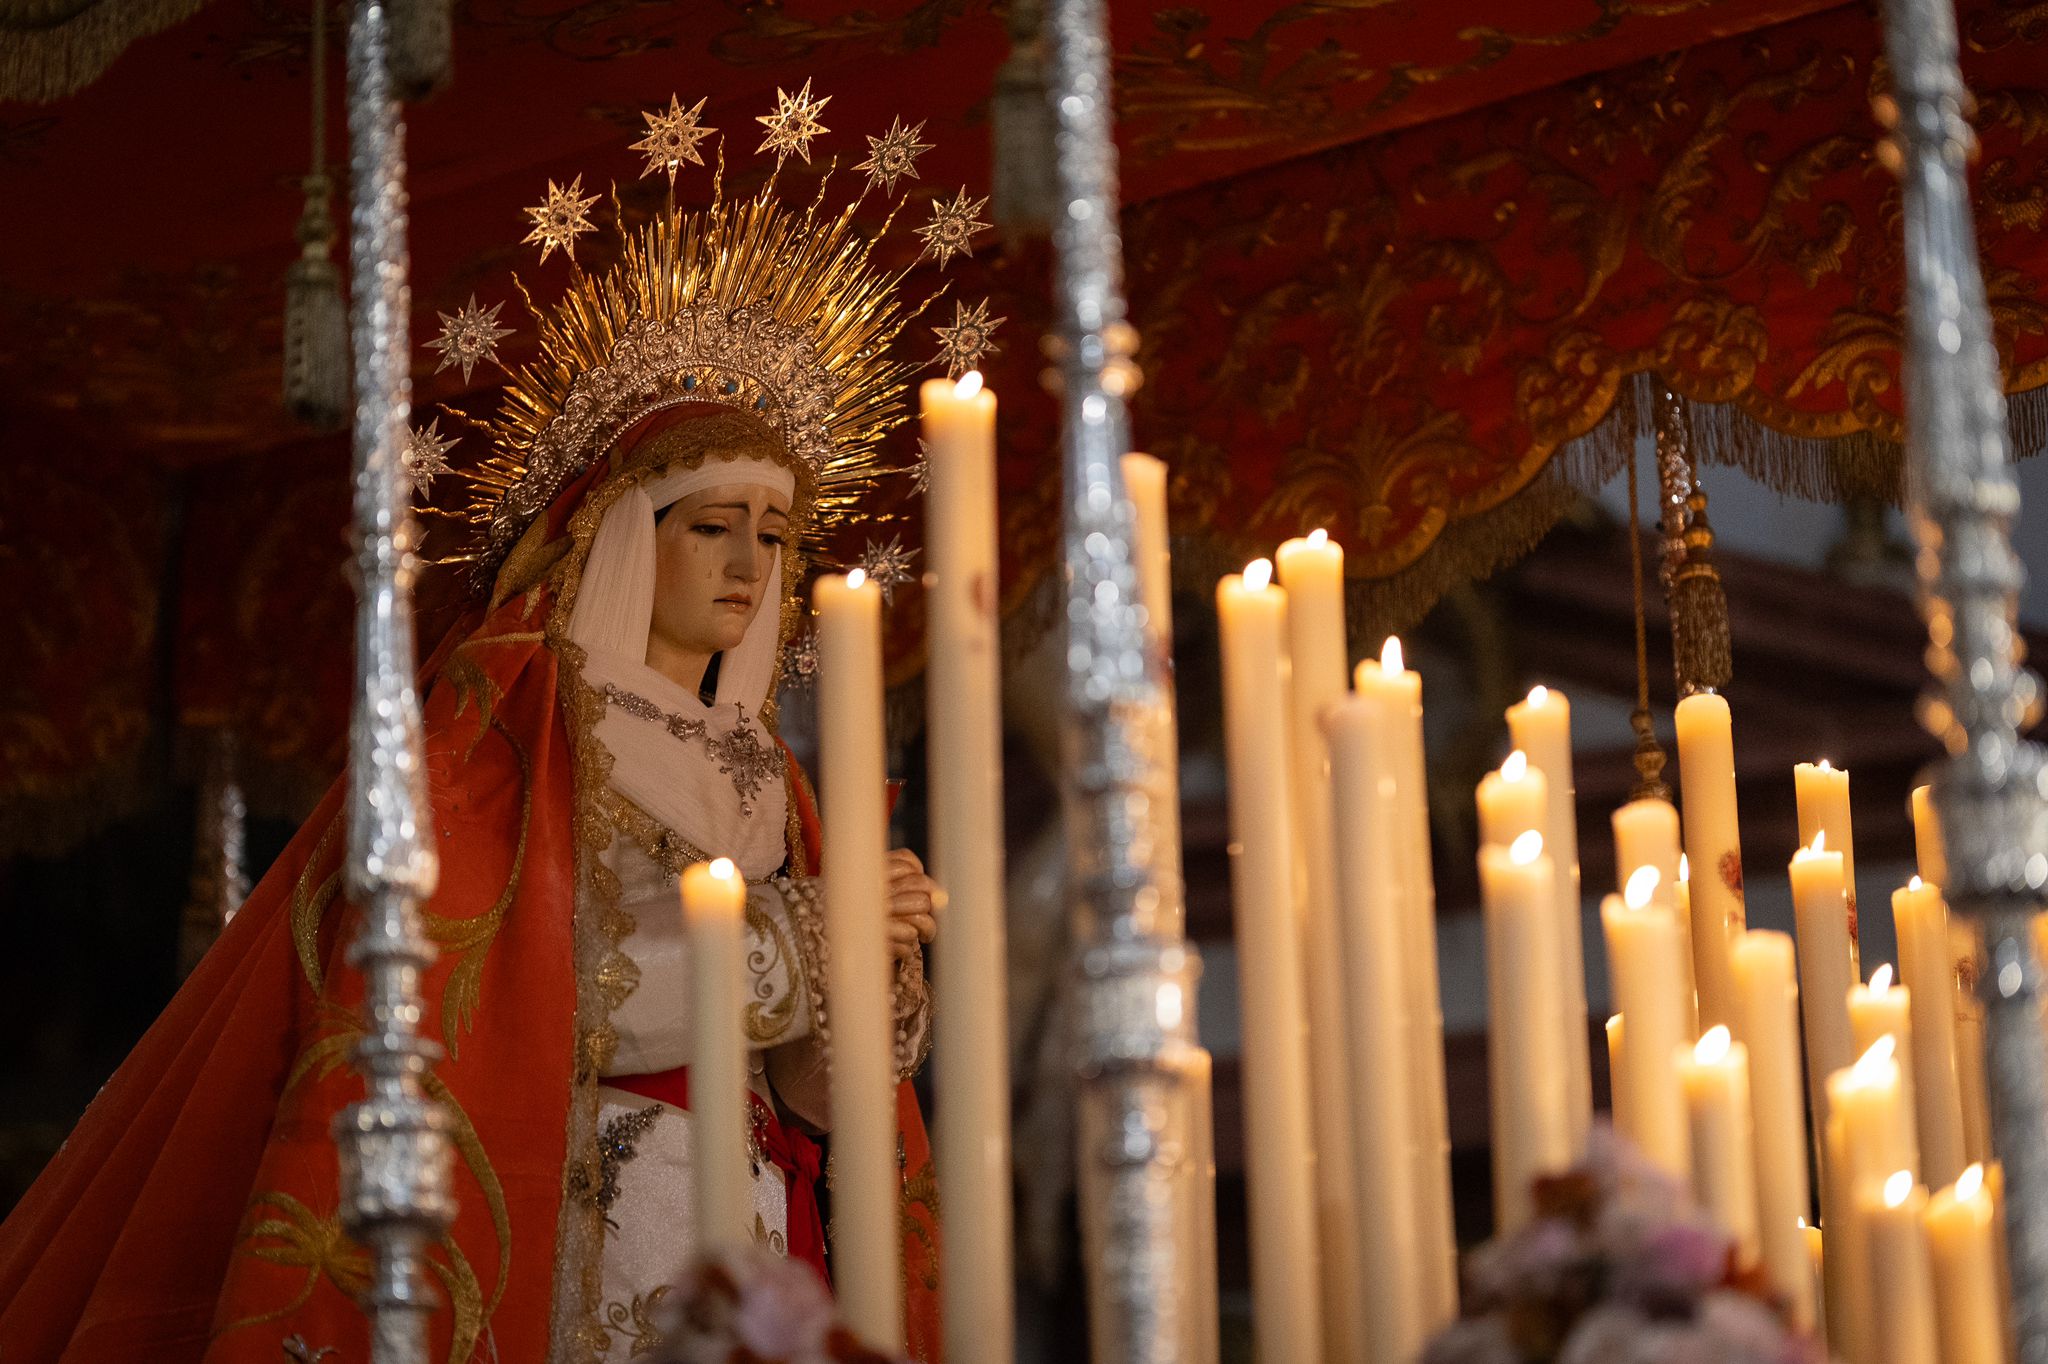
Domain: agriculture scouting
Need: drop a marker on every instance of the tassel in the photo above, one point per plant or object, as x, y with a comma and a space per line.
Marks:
316, 360
1699, 607
1020, 121
316, 364
421, 42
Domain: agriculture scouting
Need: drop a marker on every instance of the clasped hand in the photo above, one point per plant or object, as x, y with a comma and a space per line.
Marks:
914, 903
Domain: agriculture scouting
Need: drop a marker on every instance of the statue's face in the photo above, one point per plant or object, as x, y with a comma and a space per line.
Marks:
713, 553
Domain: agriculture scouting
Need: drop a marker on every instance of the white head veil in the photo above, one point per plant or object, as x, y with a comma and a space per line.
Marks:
720, 802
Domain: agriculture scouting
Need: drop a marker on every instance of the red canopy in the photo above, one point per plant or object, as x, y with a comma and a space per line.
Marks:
1386, 261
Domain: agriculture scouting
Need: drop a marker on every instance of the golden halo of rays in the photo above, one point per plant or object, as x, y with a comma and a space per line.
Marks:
806, 269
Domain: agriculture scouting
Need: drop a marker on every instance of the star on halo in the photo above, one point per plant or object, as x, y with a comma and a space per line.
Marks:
793, 124
426, 455
472, 334
888, 565
672, 138
952, 227
561, 219
921, 472
963, 344
894, 155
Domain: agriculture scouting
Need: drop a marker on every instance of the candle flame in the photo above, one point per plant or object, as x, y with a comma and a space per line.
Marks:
1526, 848
1881, 979
1642, 884
1970, 1181
1258, 574
1713, 1045
1898, 1188
1913, 884
857, 579
1171, 1004
1390, 654
1804, 1225
1684, 867
1824, 765
1319, 537
1516, 767
722, 868
968, 384
1538, 694
1820, 842
1873, 1063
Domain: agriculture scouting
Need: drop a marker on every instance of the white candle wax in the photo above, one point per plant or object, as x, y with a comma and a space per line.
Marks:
1962, 1233
1713, 845
1311, 570
1525, 1067
866, 1186
970, 1055
1394, 1286
1646, 835
1541, 727
1901, 1279
1400, 689
1921, 920
1827, 967
1822, 792
1766, 1007
1645, 954
1715, 1074
1252, 616
714, 899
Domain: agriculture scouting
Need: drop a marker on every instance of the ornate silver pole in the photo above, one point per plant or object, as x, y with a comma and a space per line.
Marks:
394, 1147
1960, 493
1135, 1022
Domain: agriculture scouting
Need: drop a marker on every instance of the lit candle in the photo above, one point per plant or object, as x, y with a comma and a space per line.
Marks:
1311, 570
1922, 923
1827, 966
1645, 953
1617, 1077
1869, 1135
1646, 835
1822, 792
1280, 1164
1541, 727
1881, 1009
1930, 859
1394, 1287
1400, 690
1715, 1075
1525, 1067
970, 1009
1902, 1284
1766, 1008
1511, 802
866, 1186
1962, 1238
1151, 555
1713, 844
1816, 1252
714, 917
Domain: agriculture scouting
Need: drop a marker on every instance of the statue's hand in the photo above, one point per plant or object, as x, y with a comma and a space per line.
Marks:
914, 904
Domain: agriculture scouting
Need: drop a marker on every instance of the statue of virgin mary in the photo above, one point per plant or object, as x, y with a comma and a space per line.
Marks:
602, 717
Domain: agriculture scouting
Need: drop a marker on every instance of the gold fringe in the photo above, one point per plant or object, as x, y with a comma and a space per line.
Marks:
53, 48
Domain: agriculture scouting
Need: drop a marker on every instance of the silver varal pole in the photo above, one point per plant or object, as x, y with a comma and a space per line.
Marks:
1135, 1021
394, 1144
1989, 790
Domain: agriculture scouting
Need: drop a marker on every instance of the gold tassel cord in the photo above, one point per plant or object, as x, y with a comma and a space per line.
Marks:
1700, 654
1649, 756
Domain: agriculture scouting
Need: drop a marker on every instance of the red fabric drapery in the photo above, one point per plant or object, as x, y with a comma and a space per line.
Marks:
1393, 338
